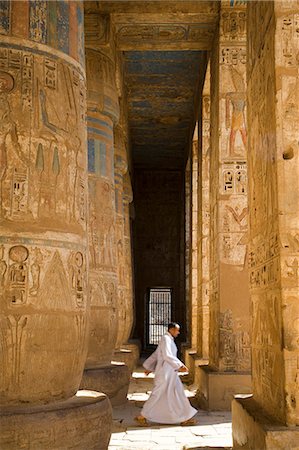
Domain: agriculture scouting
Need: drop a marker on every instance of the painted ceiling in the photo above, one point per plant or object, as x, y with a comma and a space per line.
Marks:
162, 87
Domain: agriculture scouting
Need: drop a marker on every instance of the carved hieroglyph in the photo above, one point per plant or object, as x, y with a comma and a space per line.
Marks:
204, 273
120, 168
43, 296
129, 294
192, 253
273, 114
102, 114
228, 293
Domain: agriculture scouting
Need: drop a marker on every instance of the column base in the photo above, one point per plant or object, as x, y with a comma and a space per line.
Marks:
82, 422
216, 390
252, 430
113, 380
128, 355
190, 356
135, 349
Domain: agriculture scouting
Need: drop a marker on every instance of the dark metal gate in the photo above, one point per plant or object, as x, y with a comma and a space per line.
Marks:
158, 314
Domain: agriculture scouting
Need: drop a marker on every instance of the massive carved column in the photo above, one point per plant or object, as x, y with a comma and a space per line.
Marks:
43, 261
204, 275
273, 114
192, 252
124, 351
120, 168
102, 115
228, 370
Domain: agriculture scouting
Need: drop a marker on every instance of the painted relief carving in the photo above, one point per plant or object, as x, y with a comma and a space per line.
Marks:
233, 25
290, 40
78, 270
233, 55
16, 325
235, 113
18, 274
234, 343
234, 178
35, 271
55, 144
165, 33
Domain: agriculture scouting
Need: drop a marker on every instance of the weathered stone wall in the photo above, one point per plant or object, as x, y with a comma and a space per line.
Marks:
273, 164
43, 190
229, 294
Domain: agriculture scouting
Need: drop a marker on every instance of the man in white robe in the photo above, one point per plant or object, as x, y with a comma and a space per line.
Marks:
167, 403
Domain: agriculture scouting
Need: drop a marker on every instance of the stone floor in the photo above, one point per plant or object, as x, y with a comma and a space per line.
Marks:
212, 432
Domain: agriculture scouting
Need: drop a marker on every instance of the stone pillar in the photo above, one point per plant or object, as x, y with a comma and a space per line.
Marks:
270, 420
204, 275
188, 249
126, 350
120, 168
43, 260
129, 293
102, 115
228, 371
192, 255
199, 354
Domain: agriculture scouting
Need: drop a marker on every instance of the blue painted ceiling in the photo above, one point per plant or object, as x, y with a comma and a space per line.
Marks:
162, 87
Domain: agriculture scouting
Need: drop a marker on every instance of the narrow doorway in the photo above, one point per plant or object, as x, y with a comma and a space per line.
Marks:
159, 313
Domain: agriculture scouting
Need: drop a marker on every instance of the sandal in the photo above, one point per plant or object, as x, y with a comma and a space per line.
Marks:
188, 423
141, 421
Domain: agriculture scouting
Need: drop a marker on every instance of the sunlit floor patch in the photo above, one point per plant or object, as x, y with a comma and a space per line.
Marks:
213, 430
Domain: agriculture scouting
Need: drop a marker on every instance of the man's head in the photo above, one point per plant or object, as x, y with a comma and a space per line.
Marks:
174, 329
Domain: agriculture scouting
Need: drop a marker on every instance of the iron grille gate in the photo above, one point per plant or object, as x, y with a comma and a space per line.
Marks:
158, 314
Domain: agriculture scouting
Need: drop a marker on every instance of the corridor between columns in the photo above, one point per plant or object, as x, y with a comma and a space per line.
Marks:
148, 173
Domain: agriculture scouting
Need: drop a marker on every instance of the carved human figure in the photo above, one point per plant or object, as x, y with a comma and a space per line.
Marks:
8, 129
18, 274
237, 100
35, 272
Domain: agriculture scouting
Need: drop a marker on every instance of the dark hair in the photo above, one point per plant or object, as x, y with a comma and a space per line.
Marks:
172, 325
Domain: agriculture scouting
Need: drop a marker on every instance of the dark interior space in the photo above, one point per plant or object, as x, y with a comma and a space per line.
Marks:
162, 97
158, 242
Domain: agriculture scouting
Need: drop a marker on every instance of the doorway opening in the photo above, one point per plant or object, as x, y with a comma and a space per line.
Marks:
159, 313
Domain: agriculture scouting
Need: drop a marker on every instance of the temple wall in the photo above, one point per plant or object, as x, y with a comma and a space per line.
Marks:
273, 160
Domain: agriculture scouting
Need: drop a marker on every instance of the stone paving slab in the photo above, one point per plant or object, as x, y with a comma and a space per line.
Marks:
212, 432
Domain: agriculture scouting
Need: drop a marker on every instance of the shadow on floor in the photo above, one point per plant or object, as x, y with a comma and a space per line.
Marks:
213, 430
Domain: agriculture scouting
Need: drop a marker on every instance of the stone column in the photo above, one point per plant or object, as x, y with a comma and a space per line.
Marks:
120, 168
125, 350
43, 260
270, 420
204, 275
199, 354
102, 116
228, 370
188, 248
192, 255
129, 294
